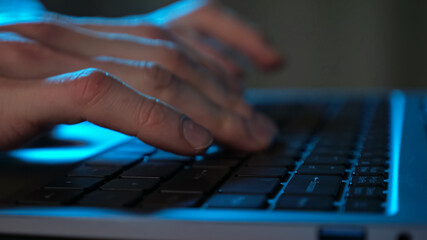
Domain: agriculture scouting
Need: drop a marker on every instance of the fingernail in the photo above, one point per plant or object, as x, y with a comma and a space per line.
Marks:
197, 136
262, 128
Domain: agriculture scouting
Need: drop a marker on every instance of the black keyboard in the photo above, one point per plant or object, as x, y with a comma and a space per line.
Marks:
329, 156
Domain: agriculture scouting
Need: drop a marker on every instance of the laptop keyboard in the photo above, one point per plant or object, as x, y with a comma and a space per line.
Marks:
329, 156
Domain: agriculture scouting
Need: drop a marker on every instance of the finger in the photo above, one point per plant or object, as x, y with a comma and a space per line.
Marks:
102, 99
54, 62
85, 43
138, 27
192, 39
209, 57
219, 23
253, 132
250, 133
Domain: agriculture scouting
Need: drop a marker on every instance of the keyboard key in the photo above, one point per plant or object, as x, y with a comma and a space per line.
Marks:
368, 181
161, 200
92, 171
247, 185
161, 170
366, 192
216, 163
195, 180
364, 205
216, 152
162, 156
314, 185
263, 172
77, 183
328, 160
115, 159
332, 151
382, 162
271, 161
131, 184
375, 154
237, 201
370, 171
305, 203
50, 197
322, 170
332, 144
110, 198
288, 152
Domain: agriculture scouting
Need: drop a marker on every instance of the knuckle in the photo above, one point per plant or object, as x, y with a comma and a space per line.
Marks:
153, 32
89, 86
23, 54
172, 57
47, 30
151, 113
23, 51
162, 78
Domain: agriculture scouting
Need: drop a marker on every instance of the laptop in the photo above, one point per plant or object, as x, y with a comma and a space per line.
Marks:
346, 165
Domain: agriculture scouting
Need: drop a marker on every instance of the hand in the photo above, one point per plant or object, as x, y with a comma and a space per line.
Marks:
189, 23
45, 48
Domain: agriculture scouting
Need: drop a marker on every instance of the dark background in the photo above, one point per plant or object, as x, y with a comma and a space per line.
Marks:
334, 43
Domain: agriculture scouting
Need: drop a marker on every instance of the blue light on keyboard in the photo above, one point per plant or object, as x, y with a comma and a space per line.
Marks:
397, 114
95, 138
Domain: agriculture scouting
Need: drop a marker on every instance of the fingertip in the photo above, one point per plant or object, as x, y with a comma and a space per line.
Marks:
274, 63
263, 131
198, 137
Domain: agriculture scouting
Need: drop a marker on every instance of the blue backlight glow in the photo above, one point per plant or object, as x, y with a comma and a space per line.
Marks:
95, 138
397, 114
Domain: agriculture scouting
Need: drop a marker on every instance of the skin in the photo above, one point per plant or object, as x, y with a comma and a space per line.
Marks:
157, 80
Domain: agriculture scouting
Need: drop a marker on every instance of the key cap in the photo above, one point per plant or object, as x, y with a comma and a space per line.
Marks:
328, 160
366, 192
322, 170
267, 186
289, 152
237, 201
50, 197
77, 183
331, 151
364, 205
332, 144
92, 171
375, 154
161, 170
305, 203
115, 159
216, 152
263, 172
110, 198
314, 185
161, 200
131, 184
382, 162
162, 156
368, 181
377, 148
195, 180
370, 171
216, 163
271, 161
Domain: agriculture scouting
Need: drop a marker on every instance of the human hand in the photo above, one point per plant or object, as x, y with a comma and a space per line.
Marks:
174, 78
189, 23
